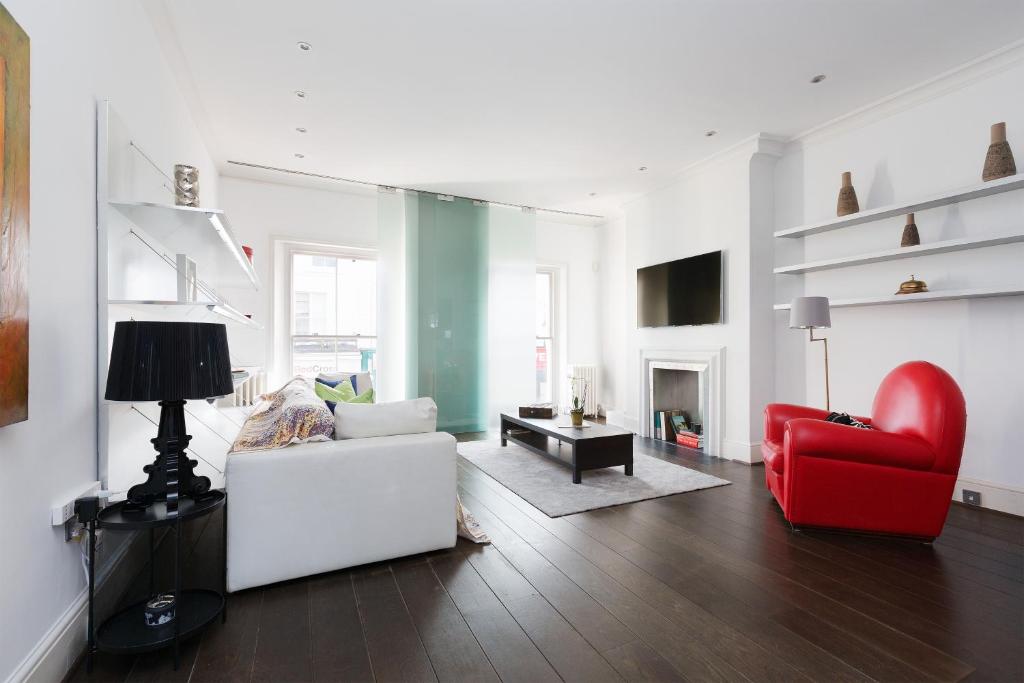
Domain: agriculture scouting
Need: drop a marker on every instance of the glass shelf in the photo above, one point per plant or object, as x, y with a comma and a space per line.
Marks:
204, 235
199, 312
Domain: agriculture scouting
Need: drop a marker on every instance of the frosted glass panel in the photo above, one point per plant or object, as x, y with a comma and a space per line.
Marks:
392, 312
512, 282
449, 314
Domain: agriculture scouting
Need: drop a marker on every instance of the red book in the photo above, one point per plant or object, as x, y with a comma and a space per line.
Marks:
689, 442
689, 435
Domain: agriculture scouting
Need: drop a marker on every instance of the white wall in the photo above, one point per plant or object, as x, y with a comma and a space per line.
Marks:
575, 250
81, 53
262, 212
710, 207
923, 143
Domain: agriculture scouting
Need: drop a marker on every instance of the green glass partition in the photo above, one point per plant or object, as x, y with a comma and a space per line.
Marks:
447, 273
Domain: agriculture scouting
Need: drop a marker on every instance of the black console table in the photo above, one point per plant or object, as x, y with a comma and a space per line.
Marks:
126, 631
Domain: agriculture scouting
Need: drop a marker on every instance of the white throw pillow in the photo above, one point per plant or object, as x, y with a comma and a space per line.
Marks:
364, 420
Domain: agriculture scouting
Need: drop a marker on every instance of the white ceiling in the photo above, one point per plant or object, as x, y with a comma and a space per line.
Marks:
542, 102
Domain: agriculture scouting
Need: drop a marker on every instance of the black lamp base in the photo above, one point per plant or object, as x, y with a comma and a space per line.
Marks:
171, 475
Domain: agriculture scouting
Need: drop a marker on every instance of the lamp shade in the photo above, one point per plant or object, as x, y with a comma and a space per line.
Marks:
809, 312
168, 361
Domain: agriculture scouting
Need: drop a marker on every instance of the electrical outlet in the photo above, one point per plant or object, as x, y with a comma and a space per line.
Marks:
65, 510
972, 497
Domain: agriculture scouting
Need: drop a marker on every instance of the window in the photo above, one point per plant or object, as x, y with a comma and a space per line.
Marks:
546, 348
333, 312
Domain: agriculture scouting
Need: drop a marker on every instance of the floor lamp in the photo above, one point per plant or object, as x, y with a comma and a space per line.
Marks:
811, 313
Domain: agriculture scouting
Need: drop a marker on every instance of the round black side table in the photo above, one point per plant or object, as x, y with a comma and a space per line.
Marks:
126, 631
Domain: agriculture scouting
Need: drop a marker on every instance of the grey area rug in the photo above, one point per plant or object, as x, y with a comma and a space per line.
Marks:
548, 486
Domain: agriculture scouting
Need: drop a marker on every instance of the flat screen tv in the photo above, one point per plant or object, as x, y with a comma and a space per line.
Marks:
683, 292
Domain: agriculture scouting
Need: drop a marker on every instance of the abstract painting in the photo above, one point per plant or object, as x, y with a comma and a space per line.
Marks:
14, 148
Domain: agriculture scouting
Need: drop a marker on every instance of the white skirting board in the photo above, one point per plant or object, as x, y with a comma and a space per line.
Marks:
53, 656
60, 647
993, 496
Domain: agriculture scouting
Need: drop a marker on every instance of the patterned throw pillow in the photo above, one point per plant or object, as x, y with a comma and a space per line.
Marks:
292, 414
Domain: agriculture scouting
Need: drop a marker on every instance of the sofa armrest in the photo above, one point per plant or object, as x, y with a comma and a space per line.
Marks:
828, 440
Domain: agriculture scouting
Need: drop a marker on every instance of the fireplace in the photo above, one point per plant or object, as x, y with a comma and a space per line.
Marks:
690, 381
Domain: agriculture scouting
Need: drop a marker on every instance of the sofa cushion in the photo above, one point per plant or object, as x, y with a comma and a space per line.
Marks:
365, 420
292, 414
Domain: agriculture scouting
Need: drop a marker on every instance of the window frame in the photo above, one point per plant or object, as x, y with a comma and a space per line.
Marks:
554, 340
293, 249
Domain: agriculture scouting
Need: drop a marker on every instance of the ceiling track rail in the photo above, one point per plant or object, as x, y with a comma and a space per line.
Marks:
391, 188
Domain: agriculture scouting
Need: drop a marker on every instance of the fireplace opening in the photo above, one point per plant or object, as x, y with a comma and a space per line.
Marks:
677, 407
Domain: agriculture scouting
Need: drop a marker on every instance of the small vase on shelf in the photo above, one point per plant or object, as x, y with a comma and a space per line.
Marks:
847, 203
999, 159
911, 238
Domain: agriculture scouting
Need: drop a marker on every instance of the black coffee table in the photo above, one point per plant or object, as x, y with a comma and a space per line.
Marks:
592, 447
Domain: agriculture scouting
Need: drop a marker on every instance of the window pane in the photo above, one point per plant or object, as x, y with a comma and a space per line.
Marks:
313, 356
314, 295
544, 389
357, 297
543, 306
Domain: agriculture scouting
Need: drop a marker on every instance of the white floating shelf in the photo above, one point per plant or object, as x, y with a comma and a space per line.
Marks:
942, 247
947, 295
983, 190
199, 312
204, 235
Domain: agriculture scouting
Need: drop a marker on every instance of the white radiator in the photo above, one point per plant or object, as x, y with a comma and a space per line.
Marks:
247, 391
584, 374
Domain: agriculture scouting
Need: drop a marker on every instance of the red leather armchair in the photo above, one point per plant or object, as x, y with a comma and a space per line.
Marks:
897, 478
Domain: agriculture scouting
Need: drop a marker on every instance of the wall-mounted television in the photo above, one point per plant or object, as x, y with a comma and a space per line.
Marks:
683, 292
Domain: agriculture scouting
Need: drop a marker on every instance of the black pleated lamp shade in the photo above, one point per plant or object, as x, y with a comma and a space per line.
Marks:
168, 361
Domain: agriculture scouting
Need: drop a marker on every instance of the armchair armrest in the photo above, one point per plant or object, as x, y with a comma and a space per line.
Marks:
819, 439
776, 415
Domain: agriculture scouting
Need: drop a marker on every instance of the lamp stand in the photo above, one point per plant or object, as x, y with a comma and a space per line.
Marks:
171, 475
823, 339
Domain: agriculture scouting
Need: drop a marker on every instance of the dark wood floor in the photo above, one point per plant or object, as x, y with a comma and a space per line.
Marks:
708, 585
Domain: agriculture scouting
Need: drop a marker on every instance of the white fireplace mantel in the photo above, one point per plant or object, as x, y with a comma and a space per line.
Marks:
709, 363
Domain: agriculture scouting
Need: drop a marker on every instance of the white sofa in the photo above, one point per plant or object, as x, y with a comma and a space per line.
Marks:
318, 507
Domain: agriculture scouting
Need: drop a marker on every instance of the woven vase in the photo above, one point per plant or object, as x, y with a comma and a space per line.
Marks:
910, 238
999, 160
847, 203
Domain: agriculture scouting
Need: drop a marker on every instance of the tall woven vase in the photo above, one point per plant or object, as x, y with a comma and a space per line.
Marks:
911, 238
847, 203
999, 160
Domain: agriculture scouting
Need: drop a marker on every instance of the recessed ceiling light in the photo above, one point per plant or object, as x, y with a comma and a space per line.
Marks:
818, 79
300, 129
299, 155
593, 194
642, 168
301, 94
304, 46
710, 133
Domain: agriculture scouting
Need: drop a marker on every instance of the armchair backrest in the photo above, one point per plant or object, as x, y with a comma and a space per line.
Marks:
922, 400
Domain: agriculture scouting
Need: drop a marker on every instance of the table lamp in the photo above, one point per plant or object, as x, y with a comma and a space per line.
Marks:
169, 362
810, 313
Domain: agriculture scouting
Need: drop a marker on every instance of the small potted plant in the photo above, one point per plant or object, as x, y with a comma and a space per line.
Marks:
579, 400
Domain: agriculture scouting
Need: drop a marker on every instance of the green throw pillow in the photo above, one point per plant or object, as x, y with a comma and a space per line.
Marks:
343, 393
365, 397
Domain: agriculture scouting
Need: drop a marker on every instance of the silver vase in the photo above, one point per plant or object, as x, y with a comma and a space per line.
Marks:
186, 185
